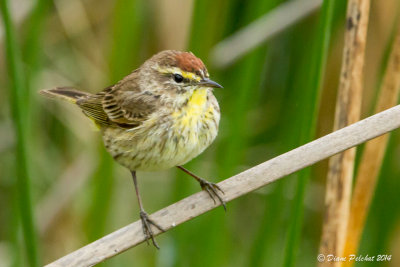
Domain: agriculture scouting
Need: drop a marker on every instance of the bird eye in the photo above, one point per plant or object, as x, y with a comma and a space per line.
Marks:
178, 78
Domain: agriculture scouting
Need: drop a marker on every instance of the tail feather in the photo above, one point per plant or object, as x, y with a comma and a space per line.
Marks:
66, 93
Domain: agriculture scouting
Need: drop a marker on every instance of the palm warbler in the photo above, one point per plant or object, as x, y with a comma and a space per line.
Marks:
160, 116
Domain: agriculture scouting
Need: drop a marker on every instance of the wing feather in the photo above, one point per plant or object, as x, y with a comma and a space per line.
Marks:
123, 105
91, 107
126, 104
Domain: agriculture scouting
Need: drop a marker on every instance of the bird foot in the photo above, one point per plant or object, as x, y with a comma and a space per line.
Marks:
212, 190
146, 225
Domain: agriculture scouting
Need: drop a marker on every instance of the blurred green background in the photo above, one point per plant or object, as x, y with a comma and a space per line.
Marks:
59, 189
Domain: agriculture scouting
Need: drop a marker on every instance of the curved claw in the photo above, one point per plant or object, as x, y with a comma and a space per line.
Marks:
146, 225
212, 190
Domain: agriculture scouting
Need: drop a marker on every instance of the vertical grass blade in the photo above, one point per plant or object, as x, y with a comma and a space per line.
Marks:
308, 125
102, 193
347, 111
245, 83
372, 157
18, 99
382, 218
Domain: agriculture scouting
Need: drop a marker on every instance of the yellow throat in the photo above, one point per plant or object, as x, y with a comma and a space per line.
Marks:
194, 108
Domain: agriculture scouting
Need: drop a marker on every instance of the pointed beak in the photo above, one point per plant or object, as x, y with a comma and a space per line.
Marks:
210, 83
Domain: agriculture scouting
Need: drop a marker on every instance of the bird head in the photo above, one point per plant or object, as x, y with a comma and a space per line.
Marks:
177, 72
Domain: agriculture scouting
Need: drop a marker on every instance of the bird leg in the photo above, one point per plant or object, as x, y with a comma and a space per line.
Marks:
211, 188
146, 221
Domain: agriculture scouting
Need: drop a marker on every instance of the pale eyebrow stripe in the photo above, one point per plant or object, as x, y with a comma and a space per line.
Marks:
185, 74
202, 73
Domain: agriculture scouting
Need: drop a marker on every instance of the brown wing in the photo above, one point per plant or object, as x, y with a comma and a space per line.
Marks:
123, 104
92, 107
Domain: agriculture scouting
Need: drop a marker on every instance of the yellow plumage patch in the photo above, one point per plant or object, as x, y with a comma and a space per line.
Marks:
193, 109
198, 98
190, 76
185, 74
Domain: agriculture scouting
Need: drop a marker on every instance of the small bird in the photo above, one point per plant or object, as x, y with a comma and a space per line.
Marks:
160, 116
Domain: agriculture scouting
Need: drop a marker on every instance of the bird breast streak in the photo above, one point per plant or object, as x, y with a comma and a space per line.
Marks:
194, 123
191, 129
193, 110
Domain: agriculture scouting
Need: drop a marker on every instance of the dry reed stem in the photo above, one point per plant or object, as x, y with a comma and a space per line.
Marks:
373, 154
348, 106
236, 186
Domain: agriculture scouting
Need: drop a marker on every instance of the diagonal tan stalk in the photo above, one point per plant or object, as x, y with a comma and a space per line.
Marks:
236, 186
348, 106
373, 154
234, 47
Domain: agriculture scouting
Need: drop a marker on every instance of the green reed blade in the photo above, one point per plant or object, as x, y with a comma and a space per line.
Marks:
19, 99
308, 125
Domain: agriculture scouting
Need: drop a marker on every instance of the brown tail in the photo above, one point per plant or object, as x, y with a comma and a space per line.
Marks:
66, 93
